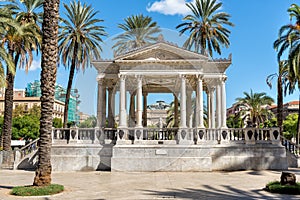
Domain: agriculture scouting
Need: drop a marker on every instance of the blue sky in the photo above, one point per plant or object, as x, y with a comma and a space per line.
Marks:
253, 58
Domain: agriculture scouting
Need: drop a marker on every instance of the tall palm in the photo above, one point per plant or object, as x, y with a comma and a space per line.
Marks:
282, 78
139, 30
5, 59
255, 102
79, 41
206, 27
48, 79
20, 46
289, 42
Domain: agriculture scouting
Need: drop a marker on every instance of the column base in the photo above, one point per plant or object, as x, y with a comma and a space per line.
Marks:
185, 136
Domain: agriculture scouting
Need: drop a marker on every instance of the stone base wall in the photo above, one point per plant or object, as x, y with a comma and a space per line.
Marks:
81, 157
143, 158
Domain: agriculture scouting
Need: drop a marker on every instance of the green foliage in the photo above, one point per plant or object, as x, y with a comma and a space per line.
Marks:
57, 123
25, 124
276, 187
290, 126
234, 121
90, 122
37, 191
270, 123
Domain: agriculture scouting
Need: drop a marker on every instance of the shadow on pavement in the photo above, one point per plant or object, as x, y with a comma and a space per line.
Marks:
216, 193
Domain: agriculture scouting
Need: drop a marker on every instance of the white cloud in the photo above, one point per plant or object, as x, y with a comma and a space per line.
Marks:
169, 7
36, 64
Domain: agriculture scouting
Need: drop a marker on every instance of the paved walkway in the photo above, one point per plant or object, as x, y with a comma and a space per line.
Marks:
159, 185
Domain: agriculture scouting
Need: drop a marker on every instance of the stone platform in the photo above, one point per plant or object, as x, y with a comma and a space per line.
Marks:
151, 158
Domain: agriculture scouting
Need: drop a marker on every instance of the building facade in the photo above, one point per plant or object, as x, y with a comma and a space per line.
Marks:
29, 102
33, 89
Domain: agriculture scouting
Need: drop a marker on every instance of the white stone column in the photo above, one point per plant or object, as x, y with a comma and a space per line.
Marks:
183, 102
145, 109
175, 111
132, 110
139, 96
104, 106
199, 104
212, 107
100, 81
123, 113
224, 110
189, 118
111, 104
208, 108
218, 105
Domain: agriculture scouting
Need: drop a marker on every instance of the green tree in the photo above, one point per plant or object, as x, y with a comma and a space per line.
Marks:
20, 45
57, 123
282, 78
90, 122
234, 121
206, 27
79, 41
139, 30
289, 42
290, 126
48, 79
255, 102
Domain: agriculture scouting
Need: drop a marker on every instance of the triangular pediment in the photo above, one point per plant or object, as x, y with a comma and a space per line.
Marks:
161, 51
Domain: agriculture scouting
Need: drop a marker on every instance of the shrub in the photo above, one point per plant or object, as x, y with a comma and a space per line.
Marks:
276, 187
37, 191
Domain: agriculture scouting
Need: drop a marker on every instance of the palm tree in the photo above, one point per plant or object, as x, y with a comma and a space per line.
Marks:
255, 102
289, 41
139, 30
206, 27
79, 41
282, 83
48, 79
20, 46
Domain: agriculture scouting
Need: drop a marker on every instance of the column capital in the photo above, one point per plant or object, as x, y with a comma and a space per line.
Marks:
100, 77
138, 76
145, 94
200, 77
122, 77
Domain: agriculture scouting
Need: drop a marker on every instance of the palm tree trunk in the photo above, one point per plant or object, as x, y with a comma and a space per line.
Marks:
48, 79
279, 104
69, 87
8, 105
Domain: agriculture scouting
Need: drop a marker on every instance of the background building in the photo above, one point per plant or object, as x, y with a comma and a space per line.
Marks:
28, 102
33, 89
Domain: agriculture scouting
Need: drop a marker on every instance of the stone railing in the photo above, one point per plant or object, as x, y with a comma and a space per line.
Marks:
26, 151
290, 146
83, 135
178, 135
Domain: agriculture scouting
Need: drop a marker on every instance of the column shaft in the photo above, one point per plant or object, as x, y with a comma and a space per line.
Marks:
99, 102
224, 125
139, 96
218, 105
111, 104
199, 104
145, 110
183, 103
123, 114
176, 111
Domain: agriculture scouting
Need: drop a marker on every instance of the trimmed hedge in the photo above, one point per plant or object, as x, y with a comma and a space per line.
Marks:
276, 187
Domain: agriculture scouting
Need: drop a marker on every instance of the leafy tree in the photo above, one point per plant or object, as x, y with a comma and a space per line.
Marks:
255, 102
19, 111
48, 79
206, 27
139, 30
79, 41
289, 42
20, 45
90, 122
57, 123
290, 126
26, 127
234, 121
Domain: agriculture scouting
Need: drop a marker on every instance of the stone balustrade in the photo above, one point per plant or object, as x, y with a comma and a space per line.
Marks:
189, 135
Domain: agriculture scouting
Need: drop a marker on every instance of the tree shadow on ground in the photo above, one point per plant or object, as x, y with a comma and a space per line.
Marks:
6, 187
222, 192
